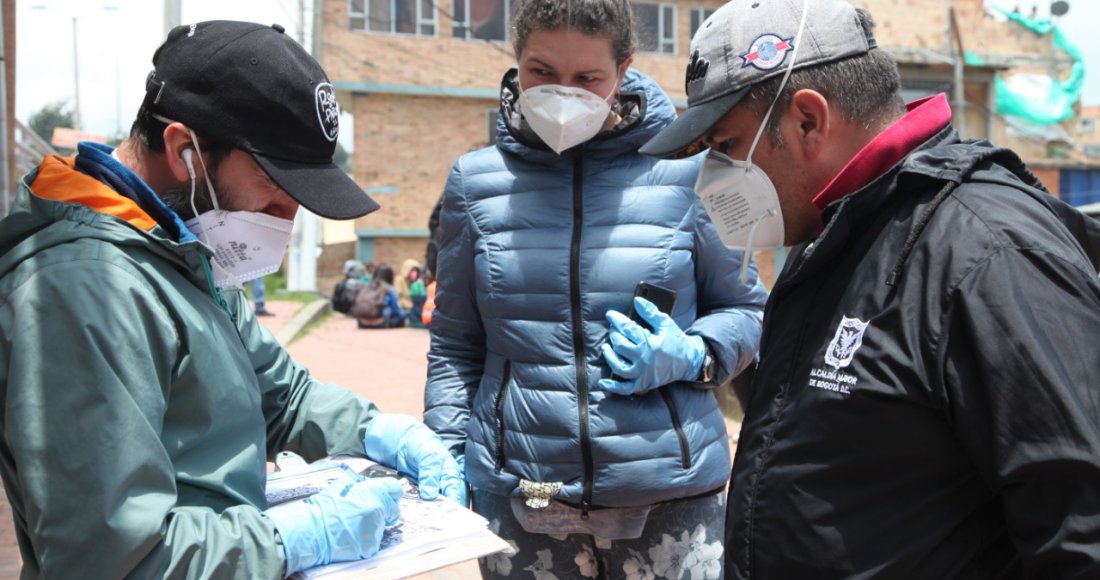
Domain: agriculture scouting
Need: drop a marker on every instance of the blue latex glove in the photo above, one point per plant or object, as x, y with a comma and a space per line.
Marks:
648, 360
342, 522
410, 447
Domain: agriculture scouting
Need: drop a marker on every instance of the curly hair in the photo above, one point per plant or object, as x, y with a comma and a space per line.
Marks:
611, 19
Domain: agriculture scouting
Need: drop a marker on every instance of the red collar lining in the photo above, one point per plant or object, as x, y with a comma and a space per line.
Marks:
925, 118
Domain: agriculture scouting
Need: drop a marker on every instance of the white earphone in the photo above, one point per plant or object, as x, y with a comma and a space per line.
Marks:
187, 153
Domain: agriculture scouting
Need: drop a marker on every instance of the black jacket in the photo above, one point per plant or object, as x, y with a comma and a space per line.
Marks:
928, 397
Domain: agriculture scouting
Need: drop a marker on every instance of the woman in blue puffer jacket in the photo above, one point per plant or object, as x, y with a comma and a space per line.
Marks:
592, 443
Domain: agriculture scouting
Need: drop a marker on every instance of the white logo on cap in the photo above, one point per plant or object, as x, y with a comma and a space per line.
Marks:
328, 111
767, 52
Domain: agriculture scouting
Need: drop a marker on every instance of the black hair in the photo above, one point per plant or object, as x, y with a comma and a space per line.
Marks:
865, 88
148, 132
611, 19
383, 273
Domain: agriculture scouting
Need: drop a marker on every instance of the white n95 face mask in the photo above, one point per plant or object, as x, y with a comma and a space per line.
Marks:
564, 117
738, 196
742, 203
246, 244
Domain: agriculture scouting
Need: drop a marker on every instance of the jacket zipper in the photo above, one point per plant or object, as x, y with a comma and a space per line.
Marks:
578, 337
209, 272
498, 409
685, 451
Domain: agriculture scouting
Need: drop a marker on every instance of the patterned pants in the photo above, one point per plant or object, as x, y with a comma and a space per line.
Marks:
682, 539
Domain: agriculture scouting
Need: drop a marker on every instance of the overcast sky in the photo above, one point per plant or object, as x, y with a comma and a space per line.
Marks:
116, 40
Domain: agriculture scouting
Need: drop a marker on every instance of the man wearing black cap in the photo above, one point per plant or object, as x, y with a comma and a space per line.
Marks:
926, 401
139, 397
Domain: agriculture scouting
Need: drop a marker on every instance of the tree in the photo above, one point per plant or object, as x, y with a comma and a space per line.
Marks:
56, 114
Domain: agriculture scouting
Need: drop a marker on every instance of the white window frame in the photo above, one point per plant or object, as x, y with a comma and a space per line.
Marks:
665, 45
468, 30
698, 17
1088, 125
419, 20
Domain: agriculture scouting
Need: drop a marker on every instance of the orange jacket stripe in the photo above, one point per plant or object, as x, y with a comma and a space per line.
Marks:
59, 180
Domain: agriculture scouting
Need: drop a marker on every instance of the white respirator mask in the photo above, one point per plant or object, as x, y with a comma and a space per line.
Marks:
564, 117
246, 244
739, 197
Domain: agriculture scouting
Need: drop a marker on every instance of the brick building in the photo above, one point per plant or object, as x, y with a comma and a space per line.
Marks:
421, 80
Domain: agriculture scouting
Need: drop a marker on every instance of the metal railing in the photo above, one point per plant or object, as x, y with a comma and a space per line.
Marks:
28, 149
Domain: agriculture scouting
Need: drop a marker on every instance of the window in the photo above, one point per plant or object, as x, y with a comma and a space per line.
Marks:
912, 90
482, 19
1087, 126
656, 27
698, 16
394, 16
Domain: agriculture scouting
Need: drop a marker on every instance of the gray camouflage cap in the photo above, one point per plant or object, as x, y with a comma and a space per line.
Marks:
748, 41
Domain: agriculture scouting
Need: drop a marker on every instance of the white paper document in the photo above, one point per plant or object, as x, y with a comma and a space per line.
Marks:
424, 526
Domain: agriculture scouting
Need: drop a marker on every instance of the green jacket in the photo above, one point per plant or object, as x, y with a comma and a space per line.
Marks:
137, 405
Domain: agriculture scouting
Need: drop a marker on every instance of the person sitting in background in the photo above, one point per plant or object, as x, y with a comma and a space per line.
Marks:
376, 305
429, 299
343, 295
419, 294
403, 283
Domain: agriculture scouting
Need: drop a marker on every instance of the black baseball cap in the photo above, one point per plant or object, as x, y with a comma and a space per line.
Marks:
253, 87
748, 41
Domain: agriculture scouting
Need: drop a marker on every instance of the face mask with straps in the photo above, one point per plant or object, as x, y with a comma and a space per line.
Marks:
246, 244
738, 196
564, 117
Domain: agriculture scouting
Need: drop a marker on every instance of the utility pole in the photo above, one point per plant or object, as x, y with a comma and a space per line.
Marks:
318, 20
304, 245
172, 15
76, 82
302, 22
5, 140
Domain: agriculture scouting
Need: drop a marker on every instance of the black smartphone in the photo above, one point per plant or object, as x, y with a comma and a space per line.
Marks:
663, 298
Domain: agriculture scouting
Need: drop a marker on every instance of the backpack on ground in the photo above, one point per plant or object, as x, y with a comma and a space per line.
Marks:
343, 296
370, 301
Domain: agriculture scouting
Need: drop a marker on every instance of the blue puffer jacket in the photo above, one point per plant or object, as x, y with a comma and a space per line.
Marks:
535, 249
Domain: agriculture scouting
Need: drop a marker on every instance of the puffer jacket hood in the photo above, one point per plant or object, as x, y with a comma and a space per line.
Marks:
645, 109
